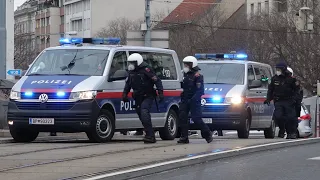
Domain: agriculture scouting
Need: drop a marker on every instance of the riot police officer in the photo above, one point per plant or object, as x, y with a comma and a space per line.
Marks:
193, 89
283, 91
142, 80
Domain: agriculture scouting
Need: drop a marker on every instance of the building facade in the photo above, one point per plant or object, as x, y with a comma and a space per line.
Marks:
87, 17
49, 23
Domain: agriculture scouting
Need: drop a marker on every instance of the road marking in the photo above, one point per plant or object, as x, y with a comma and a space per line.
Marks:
314, 158
190, 158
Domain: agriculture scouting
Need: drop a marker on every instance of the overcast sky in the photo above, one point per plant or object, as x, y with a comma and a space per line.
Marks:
18, 3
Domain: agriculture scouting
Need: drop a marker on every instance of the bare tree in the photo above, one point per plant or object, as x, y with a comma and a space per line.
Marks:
24, 52
119, 28
277, 38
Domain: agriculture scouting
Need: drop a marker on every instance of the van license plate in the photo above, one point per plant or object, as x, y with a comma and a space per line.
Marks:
42, 121
205, 120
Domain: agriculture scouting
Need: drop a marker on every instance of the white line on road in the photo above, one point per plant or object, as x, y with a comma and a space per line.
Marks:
314, 158
190, 158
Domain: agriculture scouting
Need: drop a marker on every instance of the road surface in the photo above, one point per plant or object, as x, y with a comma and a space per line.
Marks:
294, 163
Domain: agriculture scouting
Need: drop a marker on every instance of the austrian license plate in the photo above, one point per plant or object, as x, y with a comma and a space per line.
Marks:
205, 120
42, 121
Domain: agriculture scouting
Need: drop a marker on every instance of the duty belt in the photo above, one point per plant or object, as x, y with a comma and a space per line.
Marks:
283, 98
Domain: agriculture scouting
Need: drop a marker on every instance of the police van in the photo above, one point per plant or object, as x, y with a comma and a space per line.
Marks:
77, 87
235, 91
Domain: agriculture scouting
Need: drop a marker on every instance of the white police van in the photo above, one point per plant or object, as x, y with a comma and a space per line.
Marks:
235, 90
77, 87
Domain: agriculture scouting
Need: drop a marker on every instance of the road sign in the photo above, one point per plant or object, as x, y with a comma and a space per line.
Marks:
159, 38
15, 72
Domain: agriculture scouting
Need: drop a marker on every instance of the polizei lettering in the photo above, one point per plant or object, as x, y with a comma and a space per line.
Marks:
51, 82
127, 106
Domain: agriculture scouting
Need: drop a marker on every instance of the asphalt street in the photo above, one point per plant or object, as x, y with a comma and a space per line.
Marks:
294, 163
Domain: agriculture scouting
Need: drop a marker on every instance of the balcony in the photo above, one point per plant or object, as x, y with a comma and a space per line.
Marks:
43, 14
43, 30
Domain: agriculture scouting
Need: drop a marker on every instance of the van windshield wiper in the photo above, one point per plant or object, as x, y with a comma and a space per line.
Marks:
39, 74
67, 74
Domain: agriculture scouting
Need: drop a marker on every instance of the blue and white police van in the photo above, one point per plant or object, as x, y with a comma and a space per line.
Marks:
235, 90
77, 87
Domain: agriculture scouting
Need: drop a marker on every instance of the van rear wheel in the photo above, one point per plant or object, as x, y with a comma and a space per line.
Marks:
102, 130
23, 134
170, 130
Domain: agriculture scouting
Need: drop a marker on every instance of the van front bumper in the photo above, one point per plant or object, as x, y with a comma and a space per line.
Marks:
68, 116
222, 117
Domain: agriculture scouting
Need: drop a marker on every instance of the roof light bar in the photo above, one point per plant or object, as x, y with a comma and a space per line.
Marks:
108, 41
222, 56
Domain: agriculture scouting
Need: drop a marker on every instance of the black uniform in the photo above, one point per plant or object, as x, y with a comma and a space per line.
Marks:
142, 81
193, 89
283, 91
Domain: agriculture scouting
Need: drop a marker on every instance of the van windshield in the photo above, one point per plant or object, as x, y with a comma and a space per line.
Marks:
81, 62
222, 73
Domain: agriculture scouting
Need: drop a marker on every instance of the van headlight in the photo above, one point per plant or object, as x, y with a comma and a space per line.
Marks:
83, 95
234, 100
14, 95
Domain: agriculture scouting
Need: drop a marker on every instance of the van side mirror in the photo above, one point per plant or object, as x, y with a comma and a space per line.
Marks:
118, 75
23, 72
255, 84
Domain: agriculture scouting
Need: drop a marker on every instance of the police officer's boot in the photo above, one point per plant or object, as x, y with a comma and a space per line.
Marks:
281, 134
289, 136
293, 136
183, 140
149, 140
209, 138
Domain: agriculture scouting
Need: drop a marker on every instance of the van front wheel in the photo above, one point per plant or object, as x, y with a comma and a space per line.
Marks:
244, 130
23, 134
102, 130
170, 130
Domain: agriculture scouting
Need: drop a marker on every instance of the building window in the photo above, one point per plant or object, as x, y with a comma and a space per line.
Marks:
267, 7
88, 23
259, 8
282, 6
252, 9
85, 24
47, 21
62, 19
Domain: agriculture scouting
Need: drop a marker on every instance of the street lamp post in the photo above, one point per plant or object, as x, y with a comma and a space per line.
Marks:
3, 42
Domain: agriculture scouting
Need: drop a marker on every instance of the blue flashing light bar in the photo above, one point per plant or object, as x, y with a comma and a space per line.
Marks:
107, 41
222, 56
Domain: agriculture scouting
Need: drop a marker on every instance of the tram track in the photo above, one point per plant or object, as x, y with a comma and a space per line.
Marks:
114, 152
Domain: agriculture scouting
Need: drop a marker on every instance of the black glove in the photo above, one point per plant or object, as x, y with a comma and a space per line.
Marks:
267, 102
161, 97
125, 98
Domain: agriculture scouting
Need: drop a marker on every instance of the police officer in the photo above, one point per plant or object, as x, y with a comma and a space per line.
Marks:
299, 96
283, 91
142, 80
193, 89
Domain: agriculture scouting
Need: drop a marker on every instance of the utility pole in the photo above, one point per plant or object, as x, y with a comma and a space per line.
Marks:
3, 37
147, 40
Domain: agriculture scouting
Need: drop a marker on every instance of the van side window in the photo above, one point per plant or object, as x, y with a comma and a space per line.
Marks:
251, 76
257, 72
162, 63
266, 73
119, 62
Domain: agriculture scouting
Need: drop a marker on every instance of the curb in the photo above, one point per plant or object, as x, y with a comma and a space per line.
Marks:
184, 162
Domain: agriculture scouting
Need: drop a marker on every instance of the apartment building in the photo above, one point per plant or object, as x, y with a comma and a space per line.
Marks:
87, 17
24, 20
49, 23
281, 6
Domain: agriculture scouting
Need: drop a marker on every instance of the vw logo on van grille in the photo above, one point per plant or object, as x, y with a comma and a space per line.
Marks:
203, 102
43, 98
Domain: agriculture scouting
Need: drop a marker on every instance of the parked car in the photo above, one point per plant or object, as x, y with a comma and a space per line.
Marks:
304, 128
